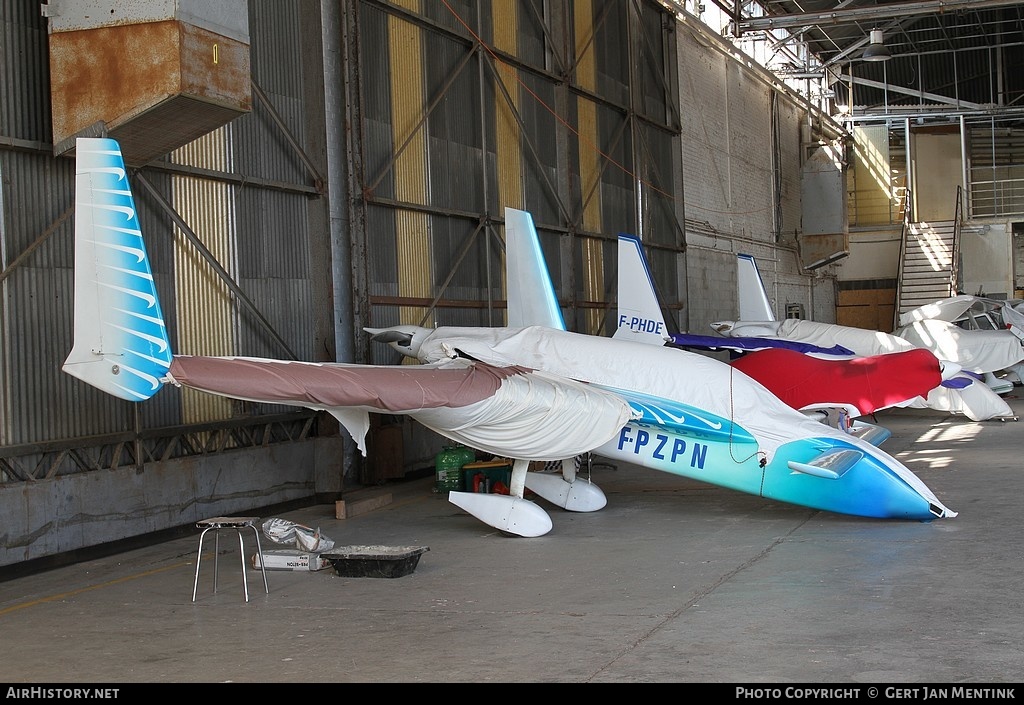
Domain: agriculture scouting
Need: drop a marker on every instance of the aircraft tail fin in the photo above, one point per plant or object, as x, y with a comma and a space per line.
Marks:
121, 344
530, 292
640, 317
754, 302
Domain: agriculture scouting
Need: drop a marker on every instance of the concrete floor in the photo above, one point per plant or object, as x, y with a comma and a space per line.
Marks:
674, 581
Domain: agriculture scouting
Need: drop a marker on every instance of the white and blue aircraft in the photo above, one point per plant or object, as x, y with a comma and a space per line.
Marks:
534, 392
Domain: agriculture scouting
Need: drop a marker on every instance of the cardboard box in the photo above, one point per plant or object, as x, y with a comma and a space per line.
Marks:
290, 559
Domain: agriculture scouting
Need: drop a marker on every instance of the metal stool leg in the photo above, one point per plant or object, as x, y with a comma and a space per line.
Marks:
263, 566
241, 552
199, 559
216, 557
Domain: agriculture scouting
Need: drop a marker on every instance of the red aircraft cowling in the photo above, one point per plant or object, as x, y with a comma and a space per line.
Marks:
867, 383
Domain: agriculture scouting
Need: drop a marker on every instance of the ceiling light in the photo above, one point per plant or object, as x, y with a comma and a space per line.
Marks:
876, 50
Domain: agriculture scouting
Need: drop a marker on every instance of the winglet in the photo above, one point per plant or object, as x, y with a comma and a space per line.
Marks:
120, 340
640, 316
531, 294
754, 303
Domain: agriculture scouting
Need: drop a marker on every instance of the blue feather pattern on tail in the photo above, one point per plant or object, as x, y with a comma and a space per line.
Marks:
121, 344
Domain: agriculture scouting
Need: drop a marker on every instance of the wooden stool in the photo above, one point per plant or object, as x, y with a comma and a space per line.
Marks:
238, 524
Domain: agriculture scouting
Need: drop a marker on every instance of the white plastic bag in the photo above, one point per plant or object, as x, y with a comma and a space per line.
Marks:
291, 534
312, 540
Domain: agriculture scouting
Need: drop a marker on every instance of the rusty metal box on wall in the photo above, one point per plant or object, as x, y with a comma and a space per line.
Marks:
153, 74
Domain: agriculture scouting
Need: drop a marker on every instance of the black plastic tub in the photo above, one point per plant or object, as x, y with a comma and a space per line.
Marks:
374, 561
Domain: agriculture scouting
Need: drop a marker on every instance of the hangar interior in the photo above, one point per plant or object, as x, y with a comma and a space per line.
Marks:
304, 170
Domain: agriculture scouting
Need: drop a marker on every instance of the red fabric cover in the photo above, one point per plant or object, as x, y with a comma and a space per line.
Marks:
868, 383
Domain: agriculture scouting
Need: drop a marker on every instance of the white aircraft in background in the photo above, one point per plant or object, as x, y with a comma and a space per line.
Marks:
640, 317
524, 393
831, 384
983, 335
963, 393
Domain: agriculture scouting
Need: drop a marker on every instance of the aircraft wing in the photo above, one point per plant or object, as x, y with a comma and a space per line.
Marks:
974, 350
510, 411
949, 309
693, 341
1013, 317
861, 341
975, 400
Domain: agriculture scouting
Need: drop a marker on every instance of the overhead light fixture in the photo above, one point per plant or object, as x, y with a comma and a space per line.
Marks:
876, 50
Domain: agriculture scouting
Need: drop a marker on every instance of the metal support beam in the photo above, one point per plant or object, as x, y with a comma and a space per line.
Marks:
318, 179
212, 261
864, 14
914, 92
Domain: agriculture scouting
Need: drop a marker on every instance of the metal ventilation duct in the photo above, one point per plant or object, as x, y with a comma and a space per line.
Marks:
153, 74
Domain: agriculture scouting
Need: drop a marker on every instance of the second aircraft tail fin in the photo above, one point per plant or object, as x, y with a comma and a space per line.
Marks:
753, 299
640, 317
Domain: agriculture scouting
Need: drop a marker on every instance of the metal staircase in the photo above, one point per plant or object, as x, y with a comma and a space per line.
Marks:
929, 261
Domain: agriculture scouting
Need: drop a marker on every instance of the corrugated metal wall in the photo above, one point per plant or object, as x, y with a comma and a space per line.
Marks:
25, 79
242, 191
34, 242
206, 324
566, 109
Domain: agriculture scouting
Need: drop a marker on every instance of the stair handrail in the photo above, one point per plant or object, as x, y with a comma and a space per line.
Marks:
905, 228
954, 268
